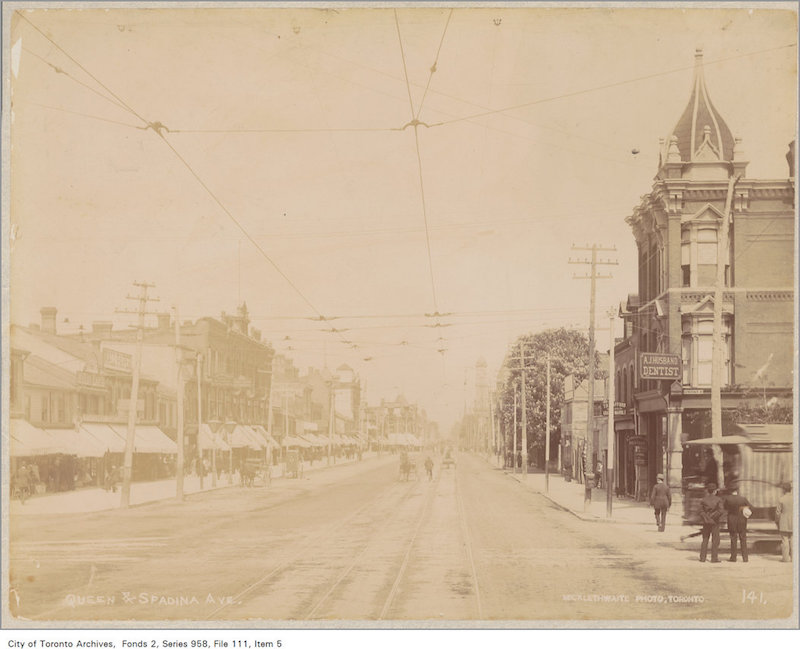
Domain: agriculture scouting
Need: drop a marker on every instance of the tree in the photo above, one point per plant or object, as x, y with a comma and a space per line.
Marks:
568, 351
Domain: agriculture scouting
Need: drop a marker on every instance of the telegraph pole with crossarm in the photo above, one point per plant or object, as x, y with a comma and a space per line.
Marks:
592, 440
130, 439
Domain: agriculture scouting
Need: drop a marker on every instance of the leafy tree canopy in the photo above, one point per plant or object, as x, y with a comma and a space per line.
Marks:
568, 351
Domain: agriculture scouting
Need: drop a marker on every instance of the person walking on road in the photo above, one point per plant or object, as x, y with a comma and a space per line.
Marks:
784, 513
429, 467
711, 511
660, 501
739, 510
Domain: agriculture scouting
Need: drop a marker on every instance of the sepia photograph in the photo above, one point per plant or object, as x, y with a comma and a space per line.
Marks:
398, 316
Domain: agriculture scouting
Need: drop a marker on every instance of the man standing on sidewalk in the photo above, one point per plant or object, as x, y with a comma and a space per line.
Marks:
711, 511
739, 510
660, 501
783, 518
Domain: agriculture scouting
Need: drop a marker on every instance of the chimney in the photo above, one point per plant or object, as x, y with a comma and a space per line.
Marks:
101, 329
163, 321
48, 319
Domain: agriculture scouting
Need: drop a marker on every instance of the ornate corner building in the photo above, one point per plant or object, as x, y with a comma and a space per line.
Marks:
676, 227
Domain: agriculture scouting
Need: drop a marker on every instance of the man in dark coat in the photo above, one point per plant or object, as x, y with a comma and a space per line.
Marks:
737, 508
711, 512
660, 501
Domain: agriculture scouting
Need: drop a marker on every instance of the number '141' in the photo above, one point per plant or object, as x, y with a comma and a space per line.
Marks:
752, 597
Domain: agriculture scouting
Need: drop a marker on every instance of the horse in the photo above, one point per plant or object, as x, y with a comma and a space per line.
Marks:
407, 466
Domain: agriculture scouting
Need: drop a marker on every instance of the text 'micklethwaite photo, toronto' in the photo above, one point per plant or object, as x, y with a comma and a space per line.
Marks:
398, 316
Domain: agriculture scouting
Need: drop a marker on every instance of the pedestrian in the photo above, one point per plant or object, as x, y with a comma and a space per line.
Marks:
429, 467
22, 483
660, 501
114, 478
711, 510
784, 513
739, 510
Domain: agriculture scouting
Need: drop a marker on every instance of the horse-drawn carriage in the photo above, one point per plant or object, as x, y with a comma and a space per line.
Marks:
408, 465
253, 471
448, 459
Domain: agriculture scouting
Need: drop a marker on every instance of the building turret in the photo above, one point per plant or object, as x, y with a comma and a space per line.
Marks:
700, 146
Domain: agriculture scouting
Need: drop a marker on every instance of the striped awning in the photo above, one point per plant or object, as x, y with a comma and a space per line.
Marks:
762, 474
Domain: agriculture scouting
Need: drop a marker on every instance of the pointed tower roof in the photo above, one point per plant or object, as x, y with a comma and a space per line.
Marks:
701, 135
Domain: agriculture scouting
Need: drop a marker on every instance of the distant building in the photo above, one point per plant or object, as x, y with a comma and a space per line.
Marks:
573, 424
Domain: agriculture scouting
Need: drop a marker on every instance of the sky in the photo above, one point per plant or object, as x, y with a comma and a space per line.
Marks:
282, 167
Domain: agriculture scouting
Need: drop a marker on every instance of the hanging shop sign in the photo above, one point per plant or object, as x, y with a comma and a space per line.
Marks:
659, 366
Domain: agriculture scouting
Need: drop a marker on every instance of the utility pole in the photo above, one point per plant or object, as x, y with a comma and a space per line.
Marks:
717, 349
592, 440
331, 422
547, 434
180, 423
270, 441
514, 450
610, 432
523, 370
130, 439
524, 424
200, 415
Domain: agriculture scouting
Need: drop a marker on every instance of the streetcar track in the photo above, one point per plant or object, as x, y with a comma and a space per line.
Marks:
407, 557
349, 568
302, 551
468, 547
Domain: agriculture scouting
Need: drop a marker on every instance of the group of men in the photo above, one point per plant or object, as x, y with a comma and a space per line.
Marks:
734, 508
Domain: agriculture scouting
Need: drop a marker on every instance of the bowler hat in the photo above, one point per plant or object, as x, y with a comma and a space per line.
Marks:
660, 476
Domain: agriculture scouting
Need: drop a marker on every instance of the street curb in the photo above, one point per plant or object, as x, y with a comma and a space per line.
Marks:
588, 518
186, 496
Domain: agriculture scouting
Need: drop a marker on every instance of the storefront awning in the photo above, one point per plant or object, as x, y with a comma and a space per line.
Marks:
245, 437
148, 439
77, 443
261, 432
299, 442
210, 440
26, 440
103, 436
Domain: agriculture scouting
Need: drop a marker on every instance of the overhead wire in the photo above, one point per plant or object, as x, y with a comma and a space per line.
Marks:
157, 129
59, 70
405, 67
87, 115
122, 103
606, 86
434, 67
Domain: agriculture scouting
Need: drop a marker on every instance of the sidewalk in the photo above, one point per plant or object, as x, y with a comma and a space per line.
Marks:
570, 496
95, 499
639, 516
